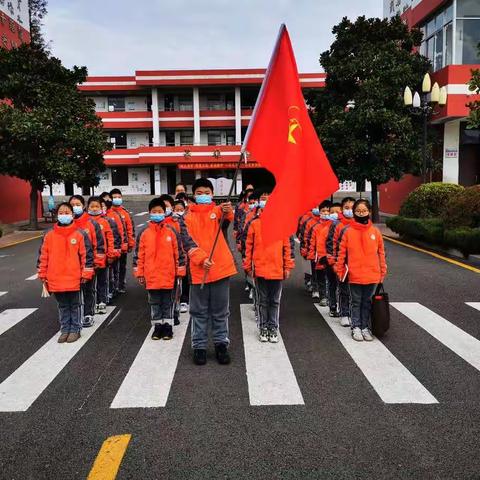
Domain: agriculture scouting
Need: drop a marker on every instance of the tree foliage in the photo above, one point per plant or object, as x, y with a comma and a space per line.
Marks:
474, 86
37, 11
369, 63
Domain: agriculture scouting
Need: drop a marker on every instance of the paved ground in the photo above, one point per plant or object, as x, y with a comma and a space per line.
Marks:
209, 429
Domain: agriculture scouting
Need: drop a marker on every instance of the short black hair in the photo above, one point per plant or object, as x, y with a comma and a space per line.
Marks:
181, 196
156, 202
65, 204
202, 182
95, 199
182, 184
336, 204
115, 191
77, 197
264, 189
347, 199
104, 194
325, 204
255, 195
167, 198
179, 202
361, 201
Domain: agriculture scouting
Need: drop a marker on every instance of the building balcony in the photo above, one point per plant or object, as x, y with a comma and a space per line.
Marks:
126, 120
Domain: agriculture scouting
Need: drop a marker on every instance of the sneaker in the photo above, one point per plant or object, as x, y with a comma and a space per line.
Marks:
88, 321
263, 336
367, 335
62, 338
176, 320
73, 337
167, 331
323, 302
250, 294
357, 334
221, 352
345, 321
273, 336
333, 313
315, 295
247, 287
183, 307
157, 332
199, 356
122, 290
102, 309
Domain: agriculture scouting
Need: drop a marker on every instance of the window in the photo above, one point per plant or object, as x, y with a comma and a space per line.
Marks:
214, 137
215, 102
119, 176
118, 139
186, 137
449, 44
169, 103
468, 8
170, 138
230, 138
438, 55
116, 104
468, 38
185, 104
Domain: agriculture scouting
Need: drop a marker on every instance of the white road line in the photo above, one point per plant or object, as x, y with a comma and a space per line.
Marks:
9, 318
392, 381
297, 240
475, 305
149, 379
25, 385
457, 340
270, 376
33, 277
140, 225
141, 214
3, 293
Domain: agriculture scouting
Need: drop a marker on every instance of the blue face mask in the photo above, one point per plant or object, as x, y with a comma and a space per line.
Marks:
77, 210
324, 216
316, 211
94, 213
168, 211
117, 201
157, 217
252, 206
333, 216
65, 219
348, 213
203, 199
262, 203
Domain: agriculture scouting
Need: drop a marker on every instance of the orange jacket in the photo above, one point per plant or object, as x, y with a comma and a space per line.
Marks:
158, 256
128, 223
85, 223
301, 223
332, 251
199, 228
317, 247
173, 222
64, 258
305, 243
107, 235
361, 248
269, 262
243, 229
121, 226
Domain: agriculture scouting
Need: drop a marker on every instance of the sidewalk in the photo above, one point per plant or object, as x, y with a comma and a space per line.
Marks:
12, 235
384, 230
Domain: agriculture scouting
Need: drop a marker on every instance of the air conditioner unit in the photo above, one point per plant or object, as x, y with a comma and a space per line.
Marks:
111, 108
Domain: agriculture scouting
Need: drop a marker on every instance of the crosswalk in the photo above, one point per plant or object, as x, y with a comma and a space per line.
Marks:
3, 293
271, 379
141, 214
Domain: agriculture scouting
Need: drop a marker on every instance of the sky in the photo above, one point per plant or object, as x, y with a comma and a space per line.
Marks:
117, 37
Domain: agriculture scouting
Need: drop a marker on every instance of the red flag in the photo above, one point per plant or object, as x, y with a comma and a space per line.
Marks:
281, 138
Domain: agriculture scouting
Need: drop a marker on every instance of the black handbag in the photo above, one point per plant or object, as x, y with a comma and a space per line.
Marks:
380, 312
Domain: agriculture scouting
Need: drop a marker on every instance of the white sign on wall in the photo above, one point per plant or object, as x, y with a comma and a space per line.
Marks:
17, 10
392, 7
451, 152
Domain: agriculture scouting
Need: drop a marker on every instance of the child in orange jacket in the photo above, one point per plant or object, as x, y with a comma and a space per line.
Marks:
65, 261
362, 250
269, 266
158, 262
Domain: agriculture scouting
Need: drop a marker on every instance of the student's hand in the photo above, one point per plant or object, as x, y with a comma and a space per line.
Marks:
287, 274
226, 207
207, 264
141, 280
110, 260
83, 280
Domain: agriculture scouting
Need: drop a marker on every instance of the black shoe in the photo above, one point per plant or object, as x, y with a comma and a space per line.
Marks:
199, 356
167, 331
157, 332
221, 352
176, 319
334, 313
122, 290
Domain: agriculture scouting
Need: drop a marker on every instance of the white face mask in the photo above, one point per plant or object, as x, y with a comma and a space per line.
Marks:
178, 214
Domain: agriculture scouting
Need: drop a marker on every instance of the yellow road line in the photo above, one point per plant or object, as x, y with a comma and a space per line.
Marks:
21, 241
109, 458
433, 254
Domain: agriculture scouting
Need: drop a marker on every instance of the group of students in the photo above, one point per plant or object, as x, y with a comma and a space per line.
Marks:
347, 261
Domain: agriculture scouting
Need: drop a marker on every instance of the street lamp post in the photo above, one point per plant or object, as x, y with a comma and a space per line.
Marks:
424, 106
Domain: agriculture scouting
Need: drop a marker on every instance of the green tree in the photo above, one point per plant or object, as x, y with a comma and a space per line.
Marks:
368, 66
37, 11
474, 86
49, 132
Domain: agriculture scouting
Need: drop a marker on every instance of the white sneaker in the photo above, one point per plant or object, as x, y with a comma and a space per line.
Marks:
183, 307
273, 336
102, 309
250, 294
323, 302
367, 335
88, 321
263, 336
344, 321
315, 295
357, 334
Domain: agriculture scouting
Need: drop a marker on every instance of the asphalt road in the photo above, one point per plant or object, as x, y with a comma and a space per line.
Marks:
209, 429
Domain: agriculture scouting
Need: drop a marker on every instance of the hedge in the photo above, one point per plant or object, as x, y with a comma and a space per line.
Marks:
465, 239
463, 209
429, 200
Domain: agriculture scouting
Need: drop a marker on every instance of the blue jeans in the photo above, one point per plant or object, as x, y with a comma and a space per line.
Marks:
361, 298
210, 305
269, 295
161, 306
69, 311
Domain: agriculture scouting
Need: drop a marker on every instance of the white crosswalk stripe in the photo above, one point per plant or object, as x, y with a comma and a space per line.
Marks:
454, 338
33, 277
10, 317
140, 225
141, 214
270, 375
149, 379
475, 305
392, 381
3, 293
26, 383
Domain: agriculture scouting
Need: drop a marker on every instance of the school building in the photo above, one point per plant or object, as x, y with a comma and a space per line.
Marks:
451, 37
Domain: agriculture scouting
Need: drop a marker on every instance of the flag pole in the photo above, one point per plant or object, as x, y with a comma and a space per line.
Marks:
243, 155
